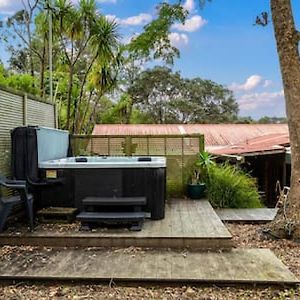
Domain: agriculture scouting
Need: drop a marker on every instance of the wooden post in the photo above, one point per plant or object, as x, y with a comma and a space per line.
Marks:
55, 115
128, 147
201, 143
108, 145
148, 147
25, 102
92, 145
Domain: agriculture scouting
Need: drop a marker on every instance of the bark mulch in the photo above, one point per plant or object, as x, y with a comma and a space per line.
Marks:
245, 236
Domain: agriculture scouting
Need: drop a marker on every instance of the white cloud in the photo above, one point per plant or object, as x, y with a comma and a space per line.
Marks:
189, 5
267, 83
248, 102
192, 24
8, 7
251, 83
138, 20
178, 39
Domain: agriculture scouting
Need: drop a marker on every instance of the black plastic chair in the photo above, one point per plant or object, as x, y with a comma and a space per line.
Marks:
7, 203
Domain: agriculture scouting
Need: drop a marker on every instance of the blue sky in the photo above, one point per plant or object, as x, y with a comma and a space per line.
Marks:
218, 42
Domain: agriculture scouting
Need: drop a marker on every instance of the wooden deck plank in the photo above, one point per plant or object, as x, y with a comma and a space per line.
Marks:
247, 214
251, 266
187, 223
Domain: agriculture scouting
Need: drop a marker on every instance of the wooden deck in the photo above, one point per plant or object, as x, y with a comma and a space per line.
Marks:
247, 215
252, 266
187, 224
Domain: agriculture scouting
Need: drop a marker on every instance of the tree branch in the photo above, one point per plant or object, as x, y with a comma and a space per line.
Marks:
26, 42
82, 90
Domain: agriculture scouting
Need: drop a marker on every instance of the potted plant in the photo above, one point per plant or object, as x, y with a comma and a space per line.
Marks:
199, 175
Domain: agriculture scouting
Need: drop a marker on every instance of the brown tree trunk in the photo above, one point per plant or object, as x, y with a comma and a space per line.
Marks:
69, 97
82, 121
42, 70
287, 38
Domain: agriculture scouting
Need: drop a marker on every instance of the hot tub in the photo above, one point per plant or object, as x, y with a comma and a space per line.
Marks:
104, 162
106, 177
43, 157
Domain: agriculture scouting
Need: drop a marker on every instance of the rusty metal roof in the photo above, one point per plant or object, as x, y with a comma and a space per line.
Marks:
216, 135
268, 143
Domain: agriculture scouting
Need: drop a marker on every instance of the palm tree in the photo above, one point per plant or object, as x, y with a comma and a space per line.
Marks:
86, 39
103, 61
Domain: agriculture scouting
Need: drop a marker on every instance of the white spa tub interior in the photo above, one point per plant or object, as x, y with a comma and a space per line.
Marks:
104, 162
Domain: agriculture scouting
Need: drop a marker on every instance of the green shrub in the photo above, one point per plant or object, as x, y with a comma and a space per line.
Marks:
230, 187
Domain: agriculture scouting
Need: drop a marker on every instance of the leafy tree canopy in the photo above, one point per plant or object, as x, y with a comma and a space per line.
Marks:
166, 97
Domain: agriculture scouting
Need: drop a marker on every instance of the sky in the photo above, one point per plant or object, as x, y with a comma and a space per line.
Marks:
218, 42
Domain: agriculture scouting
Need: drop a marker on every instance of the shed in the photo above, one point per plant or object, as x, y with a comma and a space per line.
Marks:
265, 158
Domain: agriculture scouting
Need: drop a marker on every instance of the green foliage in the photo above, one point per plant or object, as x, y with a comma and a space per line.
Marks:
244, 120
166, 97
201, 168
85, 56
89, 52
230, 187
154, 41
87, 60
20, 82
3, 73
272, 120
121, 112
139, 117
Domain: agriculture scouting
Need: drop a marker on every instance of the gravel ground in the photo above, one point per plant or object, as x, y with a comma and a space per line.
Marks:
245, 236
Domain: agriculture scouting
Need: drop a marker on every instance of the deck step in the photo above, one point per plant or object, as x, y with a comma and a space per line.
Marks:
114, 201
247, 215
57, 214
135, 219
239, 266
189, 224
110, 216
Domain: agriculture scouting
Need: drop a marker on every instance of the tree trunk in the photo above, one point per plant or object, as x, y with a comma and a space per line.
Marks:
69, 97
82, 121
287, 38
31, 63
77, 104
42, 70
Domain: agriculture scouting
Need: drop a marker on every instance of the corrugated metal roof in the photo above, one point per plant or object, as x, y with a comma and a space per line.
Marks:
267, 143
216, 135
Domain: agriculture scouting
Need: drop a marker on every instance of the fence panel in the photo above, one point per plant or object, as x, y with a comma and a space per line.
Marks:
40, 113
180, 151
18, 109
